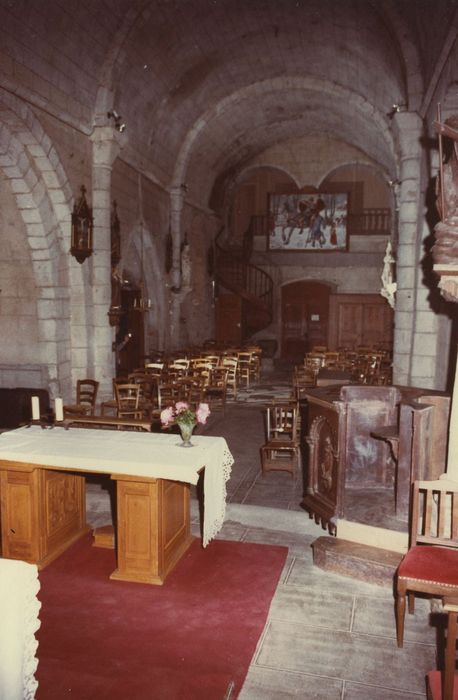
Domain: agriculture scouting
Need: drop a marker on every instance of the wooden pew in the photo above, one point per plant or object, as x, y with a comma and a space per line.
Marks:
106, 422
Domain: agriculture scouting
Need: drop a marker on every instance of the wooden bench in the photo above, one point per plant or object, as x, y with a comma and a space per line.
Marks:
106, 422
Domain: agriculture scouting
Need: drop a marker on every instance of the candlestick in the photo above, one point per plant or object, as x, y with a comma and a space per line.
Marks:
35, 408
59, 409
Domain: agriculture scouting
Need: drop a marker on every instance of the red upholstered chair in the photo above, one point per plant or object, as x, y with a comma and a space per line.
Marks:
444, 685
431, 564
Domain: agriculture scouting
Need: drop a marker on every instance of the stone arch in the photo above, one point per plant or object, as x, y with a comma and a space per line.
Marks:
246, 170
403, 34
374, 167
256, 90
43, 196
153, 276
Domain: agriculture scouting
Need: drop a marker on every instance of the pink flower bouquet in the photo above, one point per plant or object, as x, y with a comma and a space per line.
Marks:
182, 414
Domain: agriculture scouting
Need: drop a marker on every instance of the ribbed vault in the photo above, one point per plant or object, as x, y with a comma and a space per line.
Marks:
209, 85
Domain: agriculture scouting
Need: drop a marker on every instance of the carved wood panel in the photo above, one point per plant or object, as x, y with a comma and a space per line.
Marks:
360, 319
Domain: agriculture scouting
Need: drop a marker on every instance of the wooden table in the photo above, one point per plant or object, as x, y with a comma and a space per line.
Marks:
42, 489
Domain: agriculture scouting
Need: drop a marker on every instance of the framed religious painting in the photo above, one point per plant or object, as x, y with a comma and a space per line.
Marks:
308, 222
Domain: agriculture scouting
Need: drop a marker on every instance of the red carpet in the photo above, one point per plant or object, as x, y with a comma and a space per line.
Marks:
185, 640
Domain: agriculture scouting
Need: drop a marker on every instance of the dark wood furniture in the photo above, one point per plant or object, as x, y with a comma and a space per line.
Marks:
343, 449
16, 406
360, 319
107, 422
86, 397
281, 450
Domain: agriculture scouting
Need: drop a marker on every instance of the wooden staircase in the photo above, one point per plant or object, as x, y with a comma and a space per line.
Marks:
235, 273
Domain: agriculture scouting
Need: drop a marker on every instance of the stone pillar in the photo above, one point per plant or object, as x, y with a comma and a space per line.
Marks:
412, 312
104, 151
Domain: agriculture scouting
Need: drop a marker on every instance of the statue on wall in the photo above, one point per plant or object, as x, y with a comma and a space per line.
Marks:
445, 249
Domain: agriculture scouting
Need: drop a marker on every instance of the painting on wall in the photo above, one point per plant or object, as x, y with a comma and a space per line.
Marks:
308, 222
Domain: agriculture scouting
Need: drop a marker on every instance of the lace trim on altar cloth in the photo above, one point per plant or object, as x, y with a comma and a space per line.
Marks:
19, 608
215, 496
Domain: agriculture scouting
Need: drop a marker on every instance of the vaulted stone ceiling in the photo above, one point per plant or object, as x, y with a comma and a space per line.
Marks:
206, 85
212, 83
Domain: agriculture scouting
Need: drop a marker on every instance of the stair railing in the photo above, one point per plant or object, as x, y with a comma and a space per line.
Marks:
236, 273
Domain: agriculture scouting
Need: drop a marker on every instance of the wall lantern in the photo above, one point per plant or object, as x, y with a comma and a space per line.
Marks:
82, 226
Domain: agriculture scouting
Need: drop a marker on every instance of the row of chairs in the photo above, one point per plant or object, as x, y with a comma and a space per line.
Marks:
244, 366
144, 396
364, 365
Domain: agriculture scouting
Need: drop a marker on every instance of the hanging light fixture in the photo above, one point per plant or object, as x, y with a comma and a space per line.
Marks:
82, 226
142, 302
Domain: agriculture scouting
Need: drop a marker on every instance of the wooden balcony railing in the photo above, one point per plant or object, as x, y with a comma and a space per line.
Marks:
371, 221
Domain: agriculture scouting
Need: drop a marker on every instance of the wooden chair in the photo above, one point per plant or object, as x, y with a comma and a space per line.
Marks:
303, 379
181, 364
86, 396
128, 400
168, 394
281, 451
148, 391
244, 368
431, 564
110, 406
231, 364
216, 389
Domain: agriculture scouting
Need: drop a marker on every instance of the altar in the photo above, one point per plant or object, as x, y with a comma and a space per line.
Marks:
42, 489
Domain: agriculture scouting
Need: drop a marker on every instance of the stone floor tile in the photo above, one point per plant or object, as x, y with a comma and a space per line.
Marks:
232, 531
299, 546
268, 684
355, 691
379, 614
312, 607
341, 655
303, 573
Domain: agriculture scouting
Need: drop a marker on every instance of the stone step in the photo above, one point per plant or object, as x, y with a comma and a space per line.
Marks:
359, 561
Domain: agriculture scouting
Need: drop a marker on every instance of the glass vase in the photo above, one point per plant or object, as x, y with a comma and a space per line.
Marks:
186, 433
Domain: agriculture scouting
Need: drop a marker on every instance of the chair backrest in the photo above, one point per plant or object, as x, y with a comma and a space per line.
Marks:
127, 396
282, 421
434, 513
168, 393
86, 392
180, 363
231, 364
213, 360
218, 378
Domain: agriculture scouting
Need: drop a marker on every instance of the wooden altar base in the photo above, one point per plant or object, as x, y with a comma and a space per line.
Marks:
363, 562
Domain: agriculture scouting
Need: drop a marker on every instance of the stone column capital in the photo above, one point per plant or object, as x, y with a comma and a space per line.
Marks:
106, 146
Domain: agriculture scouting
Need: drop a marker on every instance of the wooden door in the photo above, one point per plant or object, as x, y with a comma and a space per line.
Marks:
305, 313
360, 319
229, 319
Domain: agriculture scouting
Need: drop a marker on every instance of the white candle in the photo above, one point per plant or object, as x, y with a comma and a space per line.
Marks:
59, 409
35, 408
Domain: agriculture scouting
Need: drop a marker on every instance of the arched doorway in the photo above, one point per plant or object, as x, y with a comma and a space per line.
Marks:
305, 314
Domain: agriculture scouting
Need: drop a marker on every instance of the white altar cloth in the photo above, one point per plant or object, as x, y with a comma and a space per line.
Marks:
19, 608
154, 455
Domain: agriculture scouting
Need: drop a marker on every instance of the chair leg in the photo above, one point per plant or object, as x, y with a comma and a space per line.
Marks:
411, 599
400, 615
449, 673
